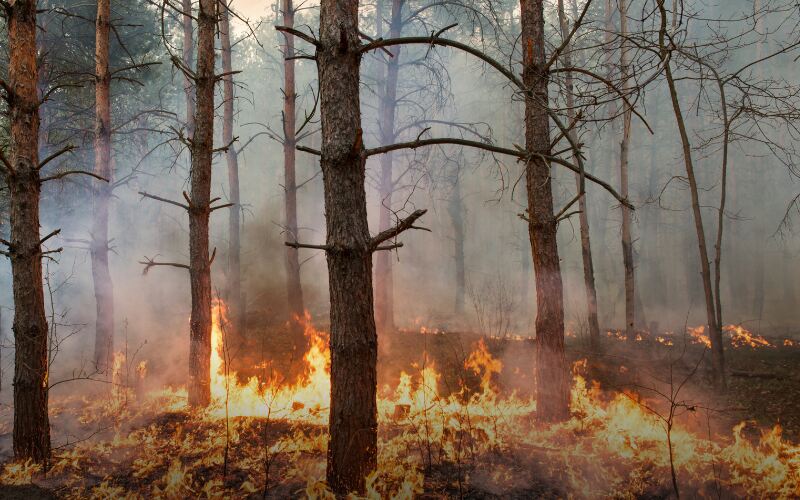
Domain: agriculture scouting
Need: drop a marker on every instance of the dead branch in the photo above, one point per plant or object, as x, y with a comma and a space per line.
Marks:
295, 244
403, 225
149, 263
65, 173
154, 197
299, 34
64, 150
54, 233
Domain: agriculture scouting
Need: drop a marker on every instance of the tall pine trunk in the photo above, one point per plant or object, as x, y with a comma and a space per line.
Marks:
583, 217
31, 424
627, 243
352, 449
294, 289
384, 279
103, 286
235, 306
552, 382
202, 144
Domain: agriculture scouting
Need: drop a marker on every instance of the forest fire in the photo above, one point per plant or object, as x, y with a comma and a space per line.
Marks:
610, 438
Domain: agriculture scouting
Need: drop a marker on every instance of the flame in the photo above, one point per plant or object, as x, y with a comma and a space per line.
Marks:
307, 400
740, 337
699, 336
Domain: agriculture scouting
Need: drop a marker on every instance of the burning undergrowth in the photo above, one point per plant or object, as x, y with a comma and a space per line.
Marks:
453, 434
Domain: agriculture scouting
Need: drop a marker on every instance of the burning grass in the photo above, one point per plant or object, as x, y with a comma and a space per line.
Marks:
264, 434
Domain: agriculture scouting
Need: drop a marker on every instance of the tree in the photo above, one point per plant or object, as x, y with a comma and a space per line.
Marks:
99, 247
198, 201
715, 329
21, 170
583, 217
294, 289
627, 243
384, 281
235, 305
552, 378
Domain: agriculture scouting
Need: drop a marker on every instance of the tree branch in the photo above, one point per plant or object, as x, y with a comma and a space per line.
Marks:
65, 173
403, 225
154, 197
299, 34
65, 149
295, 244
149, 263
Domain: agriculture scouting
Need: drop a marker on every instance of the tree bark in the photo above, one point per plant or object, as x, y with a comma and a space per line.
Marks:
235, 306
188, 61
586, 245
715, 331
202, 144
31, 434
103, 286
294, 289
627, 243
384, 279
552, 382
352, 449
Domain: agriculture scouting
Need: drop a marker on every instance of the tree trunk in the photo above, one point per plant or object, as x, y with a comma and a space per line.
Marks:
202, 144
715, 331
586, 246
188, 61
103, 286
352, 448
455, 208
384, 279
627, 243
552, 382
235, 307
294, 289
31, 423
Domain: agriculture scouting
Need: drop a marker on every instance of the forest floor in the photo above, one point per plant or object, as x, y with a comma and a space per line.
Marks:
160, 452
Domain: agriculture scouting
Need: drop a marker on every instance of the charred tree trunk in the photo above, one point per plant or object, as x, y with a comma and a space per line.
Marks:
384, 279
715, 329
188, 61
103, 286
552, 382
586, 245
31, 424
627, 243
202, 144
455, 208
352, 449
235, 307
294, 289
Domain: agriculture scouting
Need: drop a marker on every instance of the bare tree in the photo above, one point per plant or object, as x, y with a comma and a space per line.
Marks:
666, 47
234, 284
627, 243
583, 217
99, 246
294, 289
